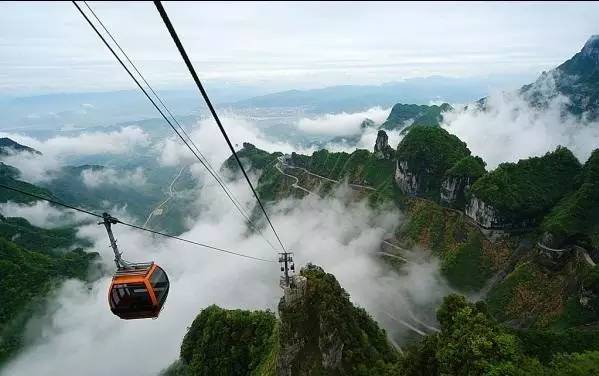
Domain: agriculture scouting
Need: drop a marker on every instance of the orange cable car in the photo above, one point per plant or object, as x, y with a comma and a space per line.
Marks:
138, 290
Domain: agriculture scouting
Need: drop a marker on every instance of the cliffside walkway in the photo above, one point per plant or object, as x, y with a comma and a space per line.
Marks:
585, 254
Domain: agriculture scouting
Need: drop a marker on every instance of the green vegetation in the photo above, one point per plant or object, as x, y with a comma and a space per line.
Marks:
527, 190
463, 174
400, 113
325, 319
467, 258
360, 167
469, 167
544, 344
577, 78
8, 147
429, 153
322, 321
432, 117
546, 299
471, 343
9, 177
252, 158
575, 219
32, 262
467, 268
422, 116
227, 342
69, 186
23, 234
26, 277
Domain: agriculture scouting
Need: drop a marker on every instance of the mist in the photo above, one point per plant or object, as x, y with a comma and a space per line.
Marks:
57, 151
41, 214
341, 124
109, 176
78, 331
511, 128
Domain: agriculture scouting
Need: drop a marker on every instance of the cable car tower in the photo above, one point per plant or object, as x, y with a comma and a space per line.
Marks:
287, 266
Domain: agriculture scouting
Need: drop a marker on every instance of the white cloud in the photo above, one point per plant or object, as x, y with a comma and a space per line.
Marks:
510, 129
41, 214
341, 237
211, 143
259, 43
366, 141
94, 178
341, 124
57, 150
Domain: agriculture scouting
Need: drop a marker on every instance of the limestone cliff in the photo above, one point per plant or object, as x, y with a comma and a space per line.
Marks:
382, 150
459, 179
423, 157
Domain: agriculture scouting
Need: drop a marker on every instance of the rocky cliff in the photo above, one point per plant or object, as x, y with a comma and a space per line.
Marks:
319, 332
459, 179
382, 150
323, 333
484, 214
423, 157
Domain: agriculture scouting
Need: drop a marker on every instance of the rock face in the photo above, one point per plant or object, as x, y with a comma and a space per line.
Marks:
485, 215
450, 188
382, 150
406, 180
453, 190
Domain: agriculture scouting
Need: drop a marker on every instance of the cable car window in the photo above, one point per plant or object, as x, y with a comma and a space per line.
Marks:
127, 297
160, 284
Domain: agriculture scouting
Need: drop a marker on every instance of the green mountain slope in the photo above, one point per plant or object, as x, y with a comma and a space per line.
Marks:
27, 276
320, 332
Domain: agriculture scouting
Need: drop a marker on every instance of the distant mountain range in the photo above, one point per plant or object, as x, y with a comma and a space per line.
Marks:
360, 97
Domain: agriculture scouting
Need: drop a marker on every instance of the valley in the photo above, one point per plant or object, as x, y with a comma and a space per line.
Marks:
421, 253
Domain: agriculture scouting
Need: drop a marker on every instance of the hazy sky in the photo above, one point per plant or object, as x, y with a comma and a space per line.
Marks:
49, 47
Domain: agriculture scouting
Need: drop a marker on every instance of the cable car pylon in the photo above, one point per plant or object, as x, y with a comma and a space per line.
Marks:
287, 266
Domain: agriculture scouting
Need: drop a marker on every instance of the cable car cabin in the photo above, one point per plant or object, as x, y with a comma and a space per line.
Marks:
138, 291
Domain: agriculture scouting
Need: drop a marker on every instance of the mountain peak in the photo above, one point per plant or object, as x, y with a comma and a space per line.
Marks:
591, 48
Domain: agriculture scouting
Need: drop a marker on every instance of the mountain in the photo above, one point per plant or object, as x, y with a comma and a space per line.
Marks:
577, 79
405, 116
423, 157
519, 194
9, 176
33, 261
360, 97
319, 332
9, 147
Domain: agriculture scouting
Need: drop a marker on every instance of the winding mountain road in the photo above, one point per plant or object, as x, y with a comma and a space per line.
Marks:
294, 185
282, 163
171, 193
